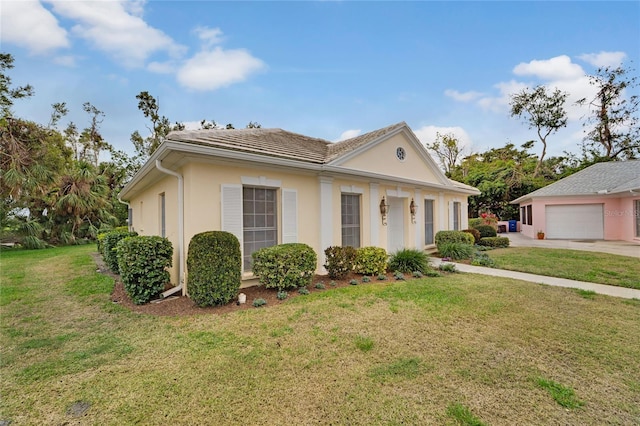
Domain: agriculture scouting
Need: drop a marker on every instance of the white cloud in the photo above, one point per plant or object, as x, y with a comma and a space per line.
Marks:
558, 68
168, 67
462, 96
30, 25
213, 69
427, 134
348, 134
209, 36
117, 28
65, 60
604, 59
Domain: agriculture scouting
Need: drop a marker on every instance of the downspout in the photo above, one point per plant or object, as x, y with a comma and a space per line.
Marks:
180, 228
128, 210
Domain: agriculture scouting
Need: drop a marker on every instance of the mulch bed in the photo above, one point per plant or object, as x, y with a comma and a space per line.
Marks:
183, 306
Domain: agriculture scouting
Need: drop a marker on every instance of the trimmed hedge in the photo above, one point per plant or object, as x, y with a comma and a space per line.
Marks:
454, 237
214, 268
409, 261
495, 242
486, 231
143, 263
339, 261
109, 243
370, 261
475, 233
285, 266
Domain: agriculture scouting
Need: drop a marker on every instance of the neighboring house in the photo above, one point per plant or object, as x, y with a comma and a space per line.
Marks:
601, 202
270, 186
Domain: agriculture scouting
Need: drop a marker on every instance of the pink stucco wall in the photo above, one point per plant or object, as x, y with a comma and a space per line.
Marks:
619, 215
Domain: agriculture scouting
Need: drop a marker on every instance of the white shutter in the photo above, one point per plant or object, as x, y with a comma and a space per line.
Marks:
450, 227
289, 216
231, 210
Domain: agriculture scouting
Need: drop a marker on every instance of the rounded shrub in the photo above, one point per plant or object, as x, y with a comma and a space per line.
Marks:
143, 263
285, 266
214, 268
409, 260
339, 261
475, 233
494, 242
109, 242
370, 261
486, 231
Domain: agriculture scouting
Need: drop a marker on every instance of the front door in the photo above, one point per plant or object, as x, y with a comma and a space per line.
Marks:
395, 224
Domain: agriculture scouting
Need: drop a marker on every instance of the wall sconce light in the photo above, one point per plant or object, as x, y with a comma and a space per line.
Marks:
384, 209
413, 208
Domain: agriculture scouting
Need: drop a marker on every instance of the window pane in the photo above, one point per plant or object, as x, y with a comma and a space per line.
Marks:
259, 221
428, 222
350, 217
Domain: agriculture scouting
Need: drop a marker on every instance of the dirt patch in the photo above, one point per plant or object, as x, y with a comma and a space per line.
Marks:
183, 306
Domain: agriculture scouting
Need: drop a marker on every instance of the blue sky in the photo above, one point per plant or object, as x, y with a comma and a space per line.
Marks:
324, 69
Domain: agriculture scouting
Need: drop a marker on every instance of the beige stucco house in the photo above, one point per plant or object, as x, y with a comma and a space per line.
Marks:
270, 186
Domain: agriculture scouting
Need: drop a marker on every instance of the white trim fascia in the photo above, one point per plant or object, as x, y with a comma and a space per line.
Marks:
260, 181
398, 192
430, 197
365, 147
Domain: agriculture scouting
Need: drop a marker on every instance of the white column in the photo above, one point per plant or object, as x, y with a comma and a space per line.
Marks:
374, 214
418, 226
443, 221
326, 217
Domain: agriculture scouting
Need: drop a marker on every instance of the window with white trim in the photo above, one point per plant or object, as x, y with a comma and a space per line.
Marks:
259, 220
428, 222
350, 219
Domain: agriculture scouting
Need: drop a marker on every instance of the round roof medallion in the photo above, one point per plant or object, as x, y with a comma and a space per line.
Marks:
401, 153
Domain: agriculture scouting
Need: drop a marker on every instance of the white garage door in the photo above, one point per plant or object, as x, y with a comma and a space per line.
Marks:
579, 221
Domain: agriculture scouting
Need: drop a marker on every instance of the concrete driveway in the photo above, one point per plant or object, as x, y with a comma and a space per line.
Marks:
623, 248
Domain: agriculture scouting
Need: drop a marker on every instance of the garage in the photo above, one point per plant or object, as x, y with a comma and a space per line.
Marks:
575, 221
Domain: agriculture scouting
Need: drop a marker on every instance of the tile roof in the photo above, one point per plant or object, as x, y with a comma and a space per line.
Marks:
610, 177
279, 143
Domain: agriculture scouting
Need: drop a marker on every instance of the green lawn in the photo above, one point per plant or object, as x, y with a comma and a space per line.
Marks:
459, 349
602, 268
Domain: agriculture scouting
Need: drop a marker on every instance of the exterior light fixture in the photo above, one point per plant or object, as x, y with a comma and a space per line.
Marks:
384, 209
413, 208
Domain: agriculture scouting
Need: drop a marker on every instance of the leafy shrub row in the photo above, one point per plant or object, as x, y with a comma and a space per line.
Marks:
495, 242
143, 263
339, 261
474, 232
370, 261
486, 231
109, 243
285, 266
453, 237
214, 268
455, 250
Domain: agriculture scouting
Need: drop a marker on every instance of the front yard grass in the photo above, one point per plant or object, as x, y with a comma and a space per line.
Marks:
459, 349
601, 268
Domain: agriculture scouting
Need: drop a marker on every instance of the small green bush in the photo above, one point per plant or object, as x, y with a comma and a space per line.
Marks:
339, 261
370, 260
417, 274
320, 286
353, 282
432, 273
285, 266
214, 268
109, 242
398, 276
282, 295
453, 237
366, 279
495, 242
455, 251
409, 260
476, 221
382, 277
486, 231
259, 302
482, 259
475, 233
447, 267
303, 291
143, 263
332, 283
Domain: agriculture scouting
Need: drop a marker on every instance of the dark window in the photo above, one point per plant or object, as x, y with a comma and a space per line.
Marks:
259, 219
428, 222
529, 214
456, 216
350, 218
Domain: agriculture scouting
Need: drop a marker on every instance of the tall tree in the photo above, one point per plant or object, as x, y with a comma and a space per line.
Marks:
9, 94
159, 128
448, 150
614, 122
542, 111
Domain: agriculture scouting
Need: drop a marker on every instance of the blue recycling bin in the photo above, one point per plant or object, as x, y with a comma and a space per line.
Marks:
513, 226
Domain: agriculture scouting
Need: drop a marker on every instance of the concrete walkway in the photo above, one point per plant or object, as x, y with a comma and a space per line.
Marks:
626, 293
622, 248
